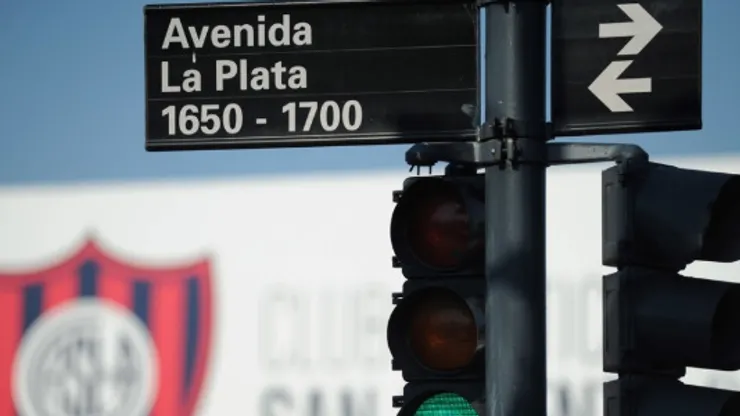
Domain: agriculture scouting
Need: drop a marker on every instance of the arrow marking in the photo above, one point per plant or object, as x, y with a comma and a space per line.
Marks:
642, 29
607, 87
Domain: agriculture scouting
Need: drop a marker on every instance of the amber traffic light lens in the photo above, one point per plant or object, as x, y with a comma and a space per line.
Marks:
439, 231
443, 333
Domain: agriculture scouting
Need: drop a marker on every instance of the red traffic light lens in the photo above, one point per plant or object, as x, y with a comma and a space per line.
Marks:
439, 230
443, 334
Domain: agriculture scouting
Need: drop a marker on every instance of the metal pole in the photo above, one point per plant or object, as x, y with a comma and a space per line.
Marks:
516, 374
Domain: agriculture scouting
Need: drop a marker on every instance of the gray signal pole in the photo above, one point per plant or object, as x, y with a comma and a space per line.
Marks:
513, 148
516, 373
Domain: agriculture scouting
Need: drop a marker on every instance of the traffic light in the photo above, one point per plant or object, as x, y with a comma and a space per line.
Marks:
435, 333
656, 220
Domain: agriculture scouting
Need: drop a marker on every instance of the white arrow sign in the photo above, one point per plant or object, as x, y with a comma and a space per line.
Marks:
607, 87
642, 29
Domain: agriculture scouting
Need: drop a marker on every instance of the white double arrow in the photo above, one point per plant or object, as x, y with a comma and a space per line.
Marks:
641, 29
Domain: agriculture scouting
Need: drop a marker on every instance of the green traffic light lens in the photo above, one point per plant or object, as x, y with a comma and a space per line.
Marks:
446, 404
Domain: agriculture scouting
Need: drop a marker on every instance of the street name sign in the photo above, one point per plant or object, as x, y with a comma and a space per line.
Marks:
625, 67
297, 74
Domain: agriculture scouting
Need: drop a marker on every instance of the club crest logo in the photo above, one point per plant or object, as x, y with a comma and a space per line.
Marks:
95, 336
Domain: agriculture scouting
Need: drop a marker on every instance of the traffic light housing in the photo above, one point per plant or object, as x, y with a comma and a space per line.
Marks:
667, 217
435, 333
656, 220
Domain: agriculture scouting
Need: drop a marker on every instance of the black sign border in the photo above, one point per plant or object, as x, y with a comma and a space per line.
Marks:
226, 143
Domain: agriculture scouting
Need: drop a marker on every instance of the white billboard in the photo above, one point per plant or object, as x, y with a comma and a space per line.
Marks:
258, 297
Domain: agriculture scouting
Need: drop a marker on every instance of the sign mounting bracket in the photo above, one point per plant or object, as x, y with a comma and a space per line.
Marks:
482, 154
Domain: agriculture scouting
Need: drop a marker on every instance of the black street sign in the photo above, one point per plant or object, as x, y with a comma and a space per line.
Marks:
626, 66
250, 75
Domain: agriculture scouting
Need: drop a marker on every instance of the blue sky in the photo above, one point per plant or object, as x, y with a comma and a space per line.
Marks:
72, 102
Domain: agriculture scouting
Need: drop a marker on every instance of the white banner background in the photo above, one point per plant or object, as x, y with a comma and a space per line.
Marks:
303, 279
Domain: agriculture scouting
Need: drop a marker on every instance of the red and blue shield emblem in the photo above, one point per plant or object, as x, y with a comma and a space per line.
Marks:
97, 336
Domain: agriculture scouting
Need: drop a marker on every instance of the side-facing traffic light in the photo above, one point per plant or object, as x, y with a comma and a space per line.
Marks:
435, 333
657, 219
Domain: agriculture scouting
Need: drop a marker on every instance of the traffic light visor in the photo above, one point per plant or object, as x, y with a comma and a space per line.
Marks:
432, 223
725, 341
722, 237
